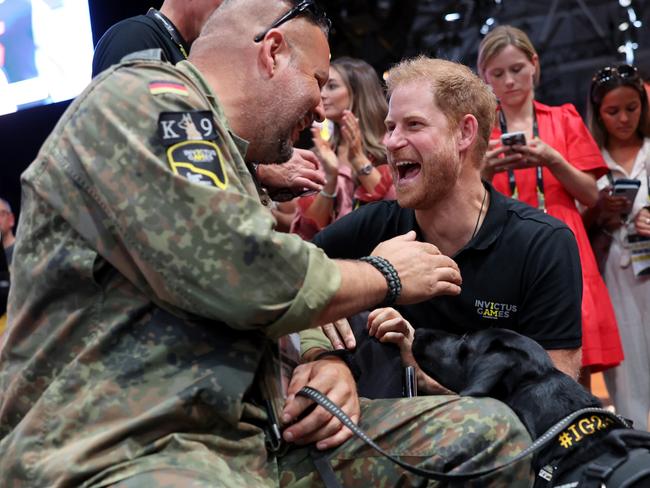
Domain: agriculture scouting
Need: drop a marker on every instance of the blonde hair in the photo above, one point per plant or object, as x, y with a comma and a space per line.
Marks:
368, 104
457, 91
501, 37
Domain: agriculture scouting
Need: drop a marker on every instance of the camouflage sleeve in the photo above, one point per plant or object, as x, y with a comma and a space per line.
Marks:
314, 338
196, 241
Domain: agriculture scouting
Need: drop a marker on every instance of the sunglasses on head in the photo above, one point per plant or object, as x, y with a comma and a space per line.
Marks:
308, 7
622, 71
608, 74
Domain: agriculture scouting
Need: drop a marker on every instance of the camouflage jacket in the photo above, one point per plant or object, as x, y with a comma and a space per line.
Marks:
148, 279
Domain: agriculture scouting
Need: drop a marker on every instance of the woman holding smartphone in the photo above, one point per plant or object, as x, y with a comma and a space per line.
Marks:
558, 165
618, 119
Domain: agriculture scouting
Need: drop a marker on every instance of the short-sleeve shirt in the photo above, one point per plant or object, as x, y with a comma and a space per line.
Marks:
132, 35
521, 272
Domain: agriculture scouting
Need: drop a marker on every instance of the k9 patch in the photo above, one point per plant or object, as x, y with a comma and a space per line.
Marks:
196, 125
200, 162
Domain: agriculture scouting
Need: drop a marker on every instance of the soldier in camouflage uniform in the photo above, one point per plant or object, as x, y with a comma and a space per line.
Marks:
148, 282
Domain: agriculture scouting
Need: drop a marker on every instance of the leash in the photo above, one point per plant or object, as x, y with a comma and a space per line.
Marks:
540, 442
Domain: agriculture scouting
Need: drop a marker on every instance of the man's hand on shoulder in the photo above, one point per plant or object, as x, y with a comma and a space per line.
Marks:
422, 269
332, 377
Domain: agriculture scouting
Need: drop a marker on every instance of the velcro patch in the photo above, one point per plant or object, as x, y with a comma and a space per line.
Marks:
200, 162
173, 87
196, 125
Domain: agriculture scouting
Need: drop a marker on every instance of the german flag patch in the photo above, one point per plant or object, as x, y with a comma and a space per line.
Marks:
162, 87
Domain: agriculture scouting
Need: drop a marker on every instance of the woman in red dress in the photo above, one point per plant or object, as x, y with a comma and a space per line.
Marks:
557, 166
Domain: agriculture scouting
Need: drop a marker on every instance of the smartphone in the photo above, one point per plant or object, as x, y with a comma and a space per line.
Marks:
513, 138
627, 188
624, 187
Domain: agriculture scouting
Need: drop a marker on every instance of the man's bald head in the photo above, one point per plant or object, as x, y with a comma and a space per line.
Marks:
269, 89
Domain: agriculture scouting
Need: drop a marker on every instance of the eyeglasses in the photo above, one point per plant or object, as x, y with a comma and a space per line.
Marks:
316, 13
625, 73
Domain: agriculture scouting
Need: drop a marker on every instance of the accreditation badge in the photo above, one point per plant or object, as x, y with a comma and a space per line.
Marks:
639, 248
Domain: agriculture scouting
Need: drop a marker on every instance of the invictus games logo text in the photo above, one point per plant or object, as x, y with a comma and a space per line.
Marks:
494, 310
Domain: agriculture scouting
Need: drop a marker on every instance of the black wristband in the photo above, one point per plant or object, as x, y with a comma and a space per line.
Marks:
392, 278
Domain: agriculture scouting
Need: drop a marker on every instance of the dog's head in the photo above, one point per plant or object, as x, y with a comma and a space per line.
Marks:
505, 365
515, 369
490, 362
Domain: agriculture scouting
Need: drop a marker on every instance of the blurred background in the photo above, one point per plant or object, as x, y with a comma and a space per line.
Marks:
46, 48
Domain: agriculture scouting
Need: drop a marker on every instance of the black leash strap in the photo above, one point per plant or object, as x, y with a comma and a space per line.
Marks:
544, 439
322, 462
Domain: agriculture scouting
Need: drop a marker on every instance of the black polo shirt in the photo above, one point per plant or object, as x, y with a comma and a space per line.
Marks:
521, 271
132, 35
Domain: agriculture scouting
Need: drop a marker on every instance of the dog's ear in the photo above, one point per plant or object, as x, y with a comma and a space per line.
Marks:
486, 375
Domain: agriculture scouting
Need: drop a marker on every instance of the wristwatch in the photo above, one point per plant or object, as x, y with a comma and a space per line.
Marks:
365, 170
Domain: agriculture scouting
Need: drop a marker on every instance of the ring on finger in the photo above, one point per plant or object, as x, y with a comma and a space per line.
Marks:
647, 220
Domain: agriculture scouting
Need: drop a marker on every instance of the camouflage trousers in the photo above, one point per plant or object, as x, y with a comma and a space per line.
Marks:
435, 432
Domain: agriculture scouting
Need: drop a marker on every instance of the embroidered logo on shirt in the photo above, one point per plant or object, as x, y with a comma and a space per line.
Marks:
161, 87
494, 310
200, 162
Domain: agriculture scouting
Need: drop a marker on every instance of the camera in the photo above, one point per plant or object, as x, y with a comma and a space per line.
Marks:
513, 138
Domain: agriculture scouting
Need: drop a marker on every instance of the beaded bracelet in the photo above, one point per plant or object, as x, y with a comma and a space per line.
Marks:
328, 195
392, 278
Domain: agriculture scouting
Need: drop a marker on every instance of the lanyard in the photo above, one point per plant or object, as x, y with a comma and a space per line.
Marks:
171, 29
541, 201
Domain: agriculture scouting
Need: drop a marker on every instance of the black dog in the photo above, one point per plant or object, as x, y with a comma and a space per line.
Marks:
515, 369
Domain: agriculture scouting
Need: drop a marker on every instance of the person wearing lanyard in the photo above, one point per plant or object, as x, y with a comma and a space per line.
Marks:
618, 119
557, 166
173, 29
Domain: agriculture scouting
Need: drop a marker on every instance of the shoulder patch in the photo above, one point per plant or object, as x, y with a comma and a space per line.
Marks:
175, 88
200, 162
196, 125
